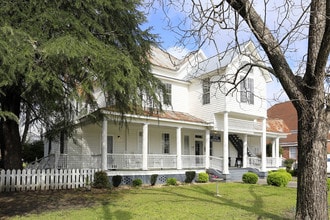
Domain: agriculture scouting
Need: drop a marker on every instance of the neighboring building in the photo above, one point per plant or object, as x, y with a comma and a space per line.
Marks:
288, 114
200, 127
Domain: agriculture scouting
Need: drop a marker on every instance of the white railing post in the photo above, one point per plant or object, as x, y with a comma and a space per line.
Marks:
225, 144
263, 146
104, 152
245, 156
145, 147
207, 149
277, 152
178, 149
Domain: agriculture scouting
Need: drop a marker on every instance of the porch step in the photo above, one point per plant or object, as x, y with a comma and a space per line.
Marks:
236, 174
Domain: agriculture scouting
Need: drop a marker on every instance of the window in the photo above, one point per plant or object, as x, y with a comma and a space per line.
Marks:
206, 91
186, 145
166, 143
211, 148
110, 145
168, 95
293, 152
247, 90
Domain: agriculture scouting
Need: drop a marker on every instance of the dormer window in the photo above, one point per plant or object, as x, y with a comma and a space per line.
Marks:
247, 90
206, 91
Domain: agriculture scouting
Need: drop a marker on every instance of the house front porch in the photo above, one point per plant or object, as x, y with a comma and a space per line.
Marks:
156, 162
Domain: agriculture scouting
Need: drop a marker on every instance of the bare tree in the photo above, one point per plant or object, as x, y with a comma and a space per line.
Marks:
281, 29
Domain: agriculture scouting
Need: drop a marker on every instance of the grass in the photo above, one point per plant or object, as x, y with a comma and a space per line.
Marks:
198, 201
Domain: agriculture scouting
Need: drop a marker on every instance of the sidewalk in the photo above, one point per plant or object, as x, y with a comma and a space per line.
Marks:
291, 184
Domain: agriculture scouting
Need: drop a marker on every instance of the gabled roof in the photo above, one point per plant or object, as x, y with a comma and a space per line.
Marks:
164, 59
277, 126
201, 64
288, 114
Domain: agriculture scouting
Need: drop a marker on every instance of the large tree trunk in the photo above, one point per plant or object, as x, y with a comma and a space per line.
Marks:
11, 148
312, 192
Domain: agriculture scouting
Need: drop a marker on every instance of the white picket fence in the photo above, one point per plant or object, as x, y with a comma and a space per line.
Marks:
31, 179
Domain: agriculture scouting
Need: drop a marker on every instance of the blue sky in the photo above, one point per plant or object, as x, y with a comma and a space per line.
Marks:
169, 40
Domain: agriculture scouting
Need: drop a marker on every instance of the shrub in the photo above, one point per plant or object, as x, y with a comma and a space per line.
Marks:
288, 163
137, 182
171, 181
250, 178
190, 176
280, 178
203, 177
328, 183
153, 179
116, 180
101, 180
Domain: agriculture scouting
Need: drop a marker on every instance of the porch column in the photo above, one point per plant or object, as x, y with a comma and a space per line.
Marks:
104, 152
273, 148
245, 155
178, 149
225, 144
145, 147
277, 152
263, 146
207, 149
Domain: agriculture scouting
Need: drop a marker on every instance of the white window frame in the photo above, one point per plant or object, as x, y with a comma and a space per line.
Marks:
166, 143
206, 86
247, 90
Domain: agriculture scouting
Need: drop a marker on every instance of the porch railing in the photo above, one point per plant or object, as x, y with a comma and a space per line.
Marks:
162, 161
125, 161
255, 162
134, 162
193, 161
78, 161
271, 162
239, 124
216, 163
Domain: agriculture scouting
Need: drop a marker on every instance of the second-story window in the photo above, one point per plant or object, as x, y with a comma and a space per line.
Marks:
206, 91
247, 90
168, 96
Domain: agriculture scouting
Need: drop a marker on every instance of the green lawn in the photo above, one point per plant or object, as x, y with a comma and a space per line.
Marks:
198, 201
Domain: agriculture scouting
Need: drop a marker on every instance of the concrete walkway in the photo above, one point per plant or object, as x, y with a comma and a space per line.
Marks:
292, 184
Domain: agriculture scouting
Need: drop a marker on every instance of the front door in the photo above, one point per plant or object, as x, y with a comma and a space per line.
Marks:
198, 151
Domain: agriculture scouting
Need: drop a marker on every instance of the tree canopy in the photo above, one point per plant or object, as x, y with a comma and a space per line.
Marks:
55, 53
294, 37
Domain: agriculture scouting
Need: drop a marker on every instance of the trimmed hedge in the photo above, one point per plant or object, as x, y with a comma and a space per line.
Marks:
203, 177
101, 180
153, 179
137, 182
116, 180
190, 176
279, 178
250, 178
171, 181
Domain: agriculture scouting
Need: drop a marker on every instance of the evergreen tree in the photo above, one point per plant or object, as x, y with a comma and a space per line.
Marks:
55, 52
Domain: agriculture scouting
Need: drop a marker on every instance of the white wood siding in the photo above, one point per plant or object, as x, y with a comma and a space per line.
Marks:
180, 100
259, 108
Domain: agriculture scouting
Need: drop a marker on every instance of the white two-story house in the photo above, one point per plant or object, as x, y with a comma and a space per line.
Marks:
207, 122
